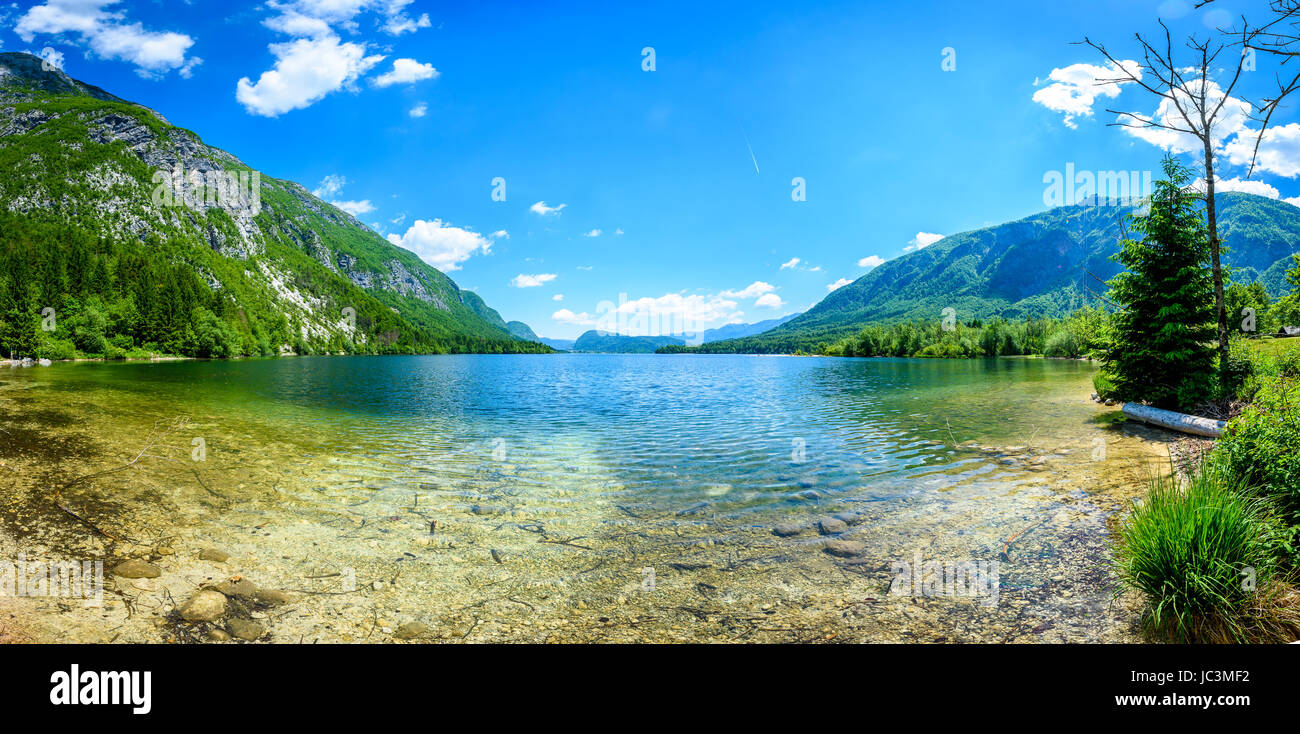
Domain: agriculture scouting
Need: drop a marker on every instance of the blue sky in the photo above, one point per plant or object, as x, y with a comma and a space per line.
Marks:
668, 188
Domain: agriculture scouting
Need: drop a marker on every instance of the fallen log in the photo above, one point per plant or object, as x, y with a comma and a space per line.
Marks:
1181, 422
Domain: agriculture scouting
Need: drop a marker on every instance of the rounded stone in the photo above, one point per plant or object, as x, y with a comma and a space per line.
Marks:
845, 548
832, 526
136, 569
205, 606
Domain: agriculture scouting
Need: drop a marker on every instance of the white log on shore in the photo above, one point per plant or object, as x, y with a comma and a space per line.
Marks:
1193, 424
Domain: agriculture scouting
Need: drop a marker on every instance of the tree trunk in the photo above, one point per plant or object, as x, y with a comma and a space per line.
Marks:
1212, 224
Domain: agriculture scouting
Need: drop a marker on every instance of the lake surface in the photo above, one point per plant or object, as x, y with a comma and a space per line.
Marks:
586, 497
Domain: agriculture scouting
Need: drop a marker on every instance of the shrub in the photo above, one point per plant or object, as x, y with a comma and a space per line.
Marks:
1262, 445
1062, 344
1194, 552
1101, 382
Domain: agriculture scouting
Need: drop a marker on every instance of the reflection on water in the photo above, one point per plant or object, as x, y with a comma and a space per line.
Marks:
590, 497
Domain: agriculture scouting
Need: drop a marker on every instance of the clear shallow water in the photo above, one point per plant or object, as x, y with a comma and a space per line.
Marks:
573, 480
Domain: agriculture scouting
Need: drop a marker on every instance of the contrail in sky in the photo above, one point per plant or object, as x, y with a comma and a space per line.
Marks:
751, 151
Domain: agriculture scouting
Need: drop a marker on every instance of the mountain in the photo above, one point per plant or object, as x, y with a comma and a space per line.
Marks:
608, 343
141, 238
520, 330
1042, 265
737, 331
563, 345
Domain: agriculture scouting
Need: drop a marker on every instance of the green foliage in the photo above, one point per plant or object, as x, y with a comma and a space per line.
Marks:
1189, 552
1159, 351
1262, 445
1104, 387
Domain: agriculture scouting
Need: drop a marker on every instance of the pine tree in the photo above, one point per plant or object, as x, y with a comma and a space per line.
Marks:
1161, 352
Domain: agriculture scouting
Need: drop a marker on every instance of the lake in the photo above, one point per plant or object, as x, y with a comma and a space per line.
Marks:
584, 497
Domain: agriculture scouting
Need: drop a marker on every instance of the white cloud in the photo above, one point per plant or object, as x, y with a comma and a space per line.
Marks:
921, 241
1231, 121
769, 300
542, 209
399, 23
355, 208
500, 234
618, 232
1279, 151
837, 284
405, 71
109, 36
306, 70
790, 264
329, 186
1075, 88
420, 110
442, 245
565, 316
557, 297
531, 281
870, 261
753, 290
592, 233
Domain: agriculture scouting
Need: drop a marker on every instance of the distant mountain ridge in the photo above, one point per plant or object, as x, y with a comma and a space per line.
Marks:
1047, 264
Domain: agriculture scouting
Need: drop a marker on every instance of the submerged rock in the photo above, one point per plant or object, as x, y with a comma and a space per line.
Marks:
237, 586
244, 629
272, 597
845, 548
411, 630
785, 530
212, 554
832, 526
136, 569
205, 606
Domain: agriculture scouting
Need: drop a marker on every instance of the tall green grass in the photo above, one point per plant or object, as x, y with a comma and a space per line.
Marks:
1203, 555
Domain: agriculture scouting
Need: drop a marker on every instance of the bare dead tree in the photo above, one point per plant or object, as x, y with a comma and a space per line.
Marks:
1192, 102
1279, 38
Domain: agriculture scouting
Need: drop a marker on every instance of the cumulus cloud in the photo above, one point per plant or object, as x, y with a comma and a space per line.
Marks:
531, 281
317, 62
592, 233
106, 32
769, 300
565, 316
405, 71
306, 70
1279, 151
442, 245
542, 209
355, 208
837, 284
791, 264
921, 241
331, 185
870, 261
557, 297
1249, 186
1074, 89
420, 110
753, 290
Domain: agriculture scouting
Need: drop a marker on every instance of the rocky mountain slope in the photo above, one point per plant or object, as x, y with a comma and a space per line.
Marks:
279, 268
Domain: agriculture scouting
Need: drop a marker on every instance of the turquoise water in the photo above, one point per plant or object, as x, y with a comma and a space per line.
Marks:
568, 476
